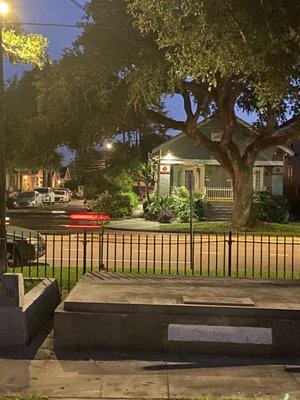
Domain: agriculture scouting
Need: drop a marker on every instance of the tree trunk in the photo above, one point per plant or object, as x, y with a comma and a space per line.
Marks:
243, 194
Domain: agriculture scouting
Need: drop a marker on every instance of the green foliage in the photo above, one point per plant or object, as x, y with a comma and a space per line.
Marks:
147, 172
72, 185
208, 40
119, 175
117, 204
28, 142
160, 206
174, 207
181, 197
25, 48
270, 208
198, 209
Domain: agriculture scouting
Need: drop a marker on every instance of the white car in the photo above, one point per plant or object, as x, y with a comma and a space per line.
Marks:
28, 200
61, 196
47, 194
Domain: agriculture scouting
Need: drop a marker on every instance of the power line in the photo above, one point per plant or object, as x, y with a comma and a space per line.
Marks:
77, 4
47, 24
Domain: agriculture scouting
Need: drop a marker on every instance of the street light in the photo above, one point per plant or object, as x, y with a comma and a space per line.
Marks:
4, 8
4, 11
109, 146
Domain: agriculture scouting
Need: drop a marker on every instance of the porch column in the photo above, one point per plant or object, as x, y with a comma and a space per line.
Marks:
164, 180
202, 177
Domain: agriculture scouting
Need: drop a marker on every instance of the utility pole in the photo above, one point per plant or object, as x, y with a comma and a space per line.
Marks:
3, 260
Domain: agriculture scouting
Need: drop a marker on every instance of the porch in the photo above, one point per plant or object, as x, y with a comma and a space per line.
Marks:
213, 182
217, 193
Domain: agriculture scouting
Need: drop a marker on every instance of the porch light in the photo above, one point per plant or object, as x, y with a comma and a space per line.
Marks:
169, 155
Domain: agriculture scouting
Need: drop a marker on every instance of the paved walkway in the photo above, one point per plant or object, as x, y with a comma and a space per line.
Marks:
138, 224
40, 371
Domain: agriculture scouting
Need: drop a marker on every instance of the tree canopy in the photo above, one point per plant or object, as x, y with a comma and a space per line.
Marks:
25, 149
25, 48
217, 56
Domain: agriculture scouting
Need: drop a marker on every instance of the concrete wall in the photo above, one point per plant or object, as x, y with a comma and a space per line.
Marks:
148, 328
22, 315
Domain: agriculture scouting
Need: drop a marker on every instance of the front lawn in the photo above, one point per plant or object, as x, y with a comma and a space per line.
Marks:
224, 227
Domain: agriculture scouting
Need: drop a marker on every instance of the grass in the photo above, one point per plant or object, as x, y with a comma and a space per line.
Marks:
66, 277
223, 227
30, 284
234, 397
20, 397
204, 397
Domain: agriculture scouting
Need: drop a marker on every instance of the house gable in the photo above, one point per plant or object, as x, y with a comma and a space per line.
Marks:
182, 147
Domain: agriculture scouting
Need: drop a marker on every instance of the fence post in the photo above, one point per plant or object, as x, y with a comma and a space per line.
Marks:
229, 253
101, 252
84, 251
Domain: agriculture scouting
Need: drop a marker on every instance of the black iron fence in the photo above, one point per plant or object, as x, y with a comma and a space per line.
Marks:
68, 256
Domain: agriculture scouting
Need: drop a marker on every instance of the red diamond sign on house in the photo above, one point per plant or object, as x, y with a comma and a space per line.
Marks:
165, 169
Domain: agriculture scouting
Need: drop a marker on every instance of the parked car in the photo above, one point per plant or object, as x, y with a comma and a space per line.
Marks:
61, 196
47, 193
28, 200
23, 246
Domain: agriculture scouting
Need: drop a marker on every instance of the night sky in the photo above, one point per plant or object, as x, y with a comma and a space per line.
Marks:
48, 11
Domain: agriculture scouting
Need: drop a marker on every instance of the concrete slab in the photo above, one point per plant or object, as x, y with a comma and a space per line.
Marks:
108, 311
218, 301
135, 386
267, 380
161, 290
138, 379
77, 380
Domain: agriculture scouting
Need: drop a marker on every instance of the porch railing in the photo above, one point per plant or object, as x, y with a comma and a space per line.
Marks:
218, 193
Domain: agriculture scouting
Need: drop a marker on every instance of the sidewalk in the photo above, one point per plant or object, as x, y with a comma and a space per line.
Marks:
127, 376
134, 224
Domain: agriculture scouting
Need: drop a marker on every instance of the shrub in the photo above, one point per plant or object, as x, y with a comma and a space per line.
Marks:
175, 206
117, 205
165, 217
159, 205
182, 199
270, 208
198, 209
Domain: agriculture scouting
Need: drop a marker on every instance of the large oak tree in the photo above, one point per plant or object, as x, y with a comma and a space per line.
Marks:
218, 56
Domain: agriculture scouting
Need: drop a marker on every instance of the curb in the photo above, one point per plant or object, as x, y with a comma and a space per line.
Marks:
39, 212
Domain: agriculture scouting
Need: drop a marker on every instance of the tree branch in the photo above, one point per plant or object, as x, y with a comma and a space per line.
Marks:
162, 119
213, 147
187, 104
280, 137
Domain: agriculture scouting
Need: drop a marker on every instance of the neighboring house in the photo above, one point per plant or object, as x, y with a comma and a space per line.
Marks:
60, 177
180, 154
292, 172
17, 180
20, 180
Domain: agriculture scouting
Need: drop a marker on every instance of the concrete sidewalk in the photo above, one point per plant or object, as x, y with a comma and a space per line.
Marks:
40, 371
134, 224
136, 379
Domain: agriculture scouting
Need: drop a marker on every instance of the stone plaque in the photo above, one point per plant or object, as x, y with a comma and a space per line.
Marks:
12, 290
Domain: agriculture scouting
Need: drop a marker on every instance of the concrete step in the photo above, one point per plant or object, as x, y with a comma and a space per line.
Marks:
218, 211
